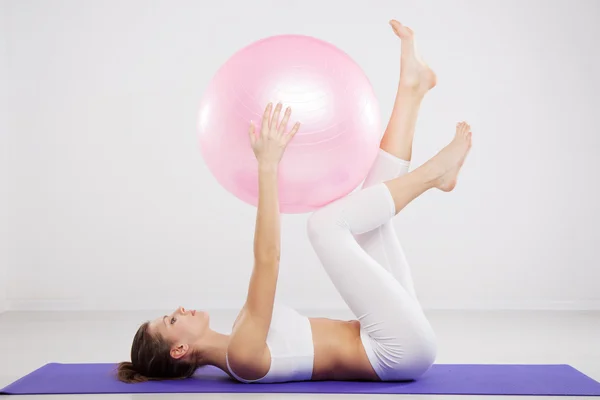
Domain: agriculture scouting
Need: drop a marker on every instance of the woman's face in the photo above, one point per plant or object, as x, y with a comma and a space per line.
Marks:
183, 328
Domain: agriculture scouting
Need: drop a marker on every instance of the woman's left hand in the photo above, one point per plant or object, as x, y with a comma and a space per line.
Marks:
270, 144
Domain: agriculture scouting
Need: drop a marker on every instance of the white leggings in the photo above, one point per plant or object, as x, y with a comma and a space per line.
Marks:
356, 242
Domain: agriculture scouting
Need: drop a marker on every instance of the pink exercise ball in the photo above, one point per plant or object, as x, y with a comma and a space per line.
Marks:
328, 93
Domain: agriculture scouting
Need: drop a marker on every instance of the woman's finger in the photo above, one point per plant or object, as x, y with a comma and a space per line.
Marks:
284, 121
292, 133
266, 118
252, 133
275, 120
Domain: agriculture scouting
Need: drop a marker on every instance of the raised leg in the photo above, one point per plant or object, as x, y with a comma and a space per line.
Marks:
416, 79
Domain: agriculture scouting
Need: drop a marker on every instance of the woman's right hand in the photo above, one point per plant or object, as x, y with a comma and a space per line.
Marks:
269, 145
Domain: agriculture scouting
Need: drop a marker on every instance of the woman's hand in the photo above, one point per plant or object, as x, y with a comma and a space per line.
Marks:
270, 144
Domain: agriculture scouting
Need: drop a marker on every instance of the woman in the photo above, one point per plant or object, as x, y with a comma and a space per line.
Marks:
357, 245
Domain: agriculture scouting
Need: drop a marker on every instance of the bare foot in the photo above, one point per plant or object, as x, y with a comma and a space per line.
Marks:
446, 165
414, 73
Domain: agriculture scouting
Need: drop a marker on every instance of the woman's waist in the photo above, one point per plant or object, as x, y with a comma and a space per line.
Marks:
339, 353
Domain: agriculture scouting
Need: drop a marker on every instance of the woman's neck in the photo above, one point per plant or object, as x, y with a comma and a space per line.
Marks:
214, 350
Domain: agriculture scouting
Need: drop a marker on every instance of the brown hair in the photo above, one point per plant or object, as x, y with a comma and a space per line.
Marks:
151, 360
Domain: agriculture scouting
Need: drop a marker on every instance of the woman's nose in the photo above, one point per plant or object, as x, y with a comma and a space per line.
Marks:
181, 310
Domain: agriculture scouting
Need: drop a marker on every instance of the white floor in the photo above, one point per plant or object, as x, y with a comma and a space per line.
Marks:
28, 340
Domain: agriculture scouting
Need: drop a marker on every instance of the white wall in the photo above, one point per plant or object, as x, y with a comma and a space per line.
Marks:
4, 164
116, 209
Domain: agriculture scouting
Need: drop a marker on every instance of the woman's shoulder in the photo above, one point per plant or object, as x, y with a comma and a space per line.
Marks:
246, 365
247, 354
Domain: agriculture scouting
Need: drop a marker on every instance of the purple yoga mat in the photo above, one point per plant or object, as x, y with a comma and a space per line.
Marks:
463, 379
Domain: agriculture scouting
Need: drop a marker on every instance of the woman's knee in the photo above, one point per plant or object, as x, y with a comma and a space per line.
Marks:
416, 358
428, 354
426, 349
414, 363
423, 357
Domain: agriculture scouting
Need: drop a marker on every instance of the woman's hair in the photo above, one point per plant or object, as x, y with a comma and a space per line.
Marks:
151, 360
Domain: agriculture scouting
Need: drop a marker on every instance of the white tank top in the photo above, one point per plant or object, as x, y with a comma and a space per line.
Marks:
290, 342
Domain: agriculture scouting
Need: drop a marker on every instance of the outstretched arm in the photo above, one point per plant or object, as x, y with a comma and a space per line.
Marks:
248, 340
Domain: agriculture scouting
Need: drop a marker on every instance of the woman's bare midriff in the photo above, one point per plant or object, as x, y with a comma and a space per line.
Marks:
339, 353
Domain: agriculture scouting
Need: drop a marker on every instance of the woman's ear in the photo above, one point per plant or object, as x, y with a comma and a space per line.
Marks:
179, 351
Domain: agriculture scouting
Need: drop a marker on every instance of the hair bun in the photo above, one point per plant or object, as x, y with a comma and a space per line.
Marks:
128, 374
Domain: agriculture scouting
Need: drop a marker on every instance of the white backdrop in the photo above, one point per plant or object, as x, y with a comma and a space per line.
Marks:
113, 207
5, 185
